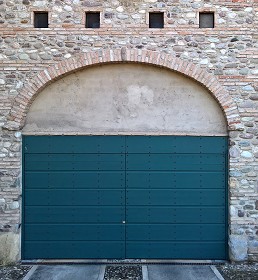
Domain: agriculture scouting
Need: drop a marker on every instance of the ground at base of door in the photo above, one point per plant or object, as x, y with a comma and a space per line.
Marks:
121, 272
14, 272
228, 271
239, 271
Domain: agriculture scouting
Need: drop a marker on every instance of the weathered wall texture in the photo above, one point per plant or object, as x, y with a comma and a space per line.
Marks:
226, 54
125, 98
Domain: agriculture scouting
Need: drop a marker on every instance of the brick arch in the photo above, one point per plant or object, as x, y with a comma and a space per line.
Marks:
28, 93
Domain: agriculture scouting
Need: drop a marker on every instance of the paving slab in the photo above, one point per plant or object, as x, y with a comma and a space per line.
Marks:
67, 272
181, 272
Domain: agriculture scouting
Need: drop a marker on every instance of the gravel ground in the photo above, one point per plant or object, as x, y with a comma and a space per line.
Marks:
123, 272
14, 272
239, 271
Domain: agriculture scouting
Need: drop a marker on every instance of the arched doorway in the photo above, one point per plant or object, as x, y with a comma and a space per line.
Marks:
131, 163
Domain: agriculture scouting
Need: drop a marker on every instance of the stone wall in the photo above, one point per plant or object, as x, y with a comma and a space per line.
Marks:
227, 54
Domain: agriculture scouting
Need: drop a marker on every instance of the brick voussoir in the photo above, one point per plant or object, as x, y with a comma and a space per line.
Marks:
52, 72
48, 75
36, 83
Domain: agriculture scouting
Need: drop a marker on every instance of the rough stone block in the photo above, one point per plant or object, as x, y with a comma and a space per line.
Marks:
238, 248
9, 247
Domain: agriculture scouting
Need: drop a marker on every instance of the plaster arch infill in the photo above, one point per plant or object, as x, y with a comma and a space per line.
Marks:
28, 93
120, 98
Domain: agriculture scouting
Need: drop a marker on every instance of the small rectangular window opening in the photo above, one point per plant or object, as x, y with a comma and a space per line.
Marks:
41, 19
206, 20
156, 20
93, 20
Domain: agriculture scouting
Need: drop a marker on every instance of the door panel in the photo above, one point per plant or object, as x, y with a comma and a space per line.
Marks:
176, 144
175, 232
60, 232
176, 250
74, 249
165, 197
74, 197
73, 144
71, 162
175, 197
175, 180
74, 214
75, 180
175, 162
173, 214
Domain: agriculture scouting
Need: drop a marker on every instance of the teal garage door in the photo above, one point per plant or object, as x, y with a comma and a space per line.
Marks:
150, 197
